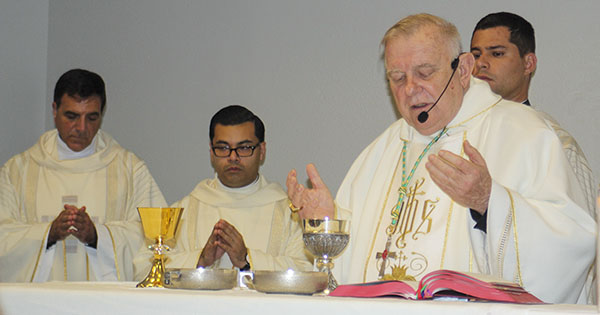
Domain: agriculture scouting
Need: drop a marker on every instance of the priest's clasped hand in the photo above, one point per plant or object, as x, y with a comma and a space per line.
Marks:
224, 238
73, 221
211, 251
315, 202
468, 182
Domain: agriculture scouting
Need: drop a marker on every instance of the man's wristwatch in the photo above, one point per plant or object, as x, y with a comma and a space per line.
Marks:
246, 266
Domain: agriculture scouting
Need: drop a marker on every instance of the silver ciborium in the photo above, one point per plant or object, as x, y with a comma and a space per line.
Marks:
160, 225
326, 239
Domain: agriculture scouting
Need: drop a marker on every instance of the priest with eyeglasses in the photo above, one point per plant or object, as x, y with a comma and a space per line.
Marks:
237, 219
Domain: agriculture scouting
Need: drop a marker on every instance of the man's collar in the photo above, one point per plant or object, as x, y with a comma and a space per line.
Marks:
65, 153
248, 189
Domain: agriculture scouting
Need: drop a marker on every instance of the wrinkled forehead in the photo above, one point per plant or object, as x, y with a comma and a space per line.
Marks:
430, 32
423, 47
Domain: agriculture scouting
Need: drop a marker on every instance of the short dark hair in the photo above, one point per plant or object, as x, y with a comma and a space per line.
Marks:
235, 115
81, 83
521, 31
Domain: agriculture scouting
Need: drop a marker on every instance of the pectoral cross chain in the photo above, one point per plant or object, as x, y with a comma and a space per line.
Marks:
401, 194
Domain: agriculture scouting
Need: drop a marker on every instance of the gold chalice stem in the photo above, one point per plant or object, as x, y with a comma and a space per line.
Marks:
156, 275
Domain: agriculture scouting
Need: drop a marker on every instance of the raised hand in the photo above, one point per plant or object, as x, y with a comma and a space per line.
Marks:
314, 203
468, 182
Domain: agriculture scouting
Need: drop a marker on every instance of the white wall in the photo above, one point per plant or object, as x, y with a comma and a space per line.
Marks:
23, 38
310, 69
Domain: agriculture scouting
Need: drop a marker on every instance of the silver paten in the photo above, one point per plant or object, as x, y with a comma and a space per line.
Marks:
201, 279
290, 281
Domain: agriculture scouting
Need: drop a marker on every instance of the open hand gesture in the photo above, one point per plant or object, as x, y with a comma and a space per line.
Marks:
313, 203
468, 182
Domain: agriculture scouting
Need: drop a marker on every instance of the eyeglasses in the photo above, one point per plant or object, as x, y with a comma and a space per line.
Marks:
243, 151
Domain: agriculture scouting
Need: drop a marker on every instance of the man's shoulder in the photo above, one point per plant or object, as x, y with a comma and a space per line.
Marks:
112, 146
507, 107
20, 159
517, 115
16, 162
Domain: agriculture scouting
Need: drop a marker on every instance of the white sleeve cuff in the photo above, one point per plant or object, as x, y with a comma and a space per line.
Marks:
102, 258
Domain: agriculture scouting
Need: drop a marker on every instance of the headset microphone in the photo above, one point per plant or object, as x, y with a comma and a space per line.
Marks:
424, 115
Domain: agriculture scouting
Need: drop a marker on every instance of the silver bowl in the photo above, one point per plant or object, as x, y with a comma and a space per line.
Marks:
290, 281
200, 279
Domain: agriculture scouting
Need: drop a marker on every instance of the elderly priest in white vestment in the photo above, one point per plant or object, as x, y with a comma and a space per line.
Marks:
237, 219
68, 203
464, 180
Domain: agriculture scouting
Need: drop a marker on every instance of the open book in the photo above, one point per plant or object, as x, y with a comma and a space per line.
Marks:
443, 284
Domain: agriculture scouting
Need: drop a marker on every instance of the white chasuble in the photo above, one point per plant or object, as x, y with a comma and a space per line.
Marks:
272, 234
420, 238
34, 187
539, 232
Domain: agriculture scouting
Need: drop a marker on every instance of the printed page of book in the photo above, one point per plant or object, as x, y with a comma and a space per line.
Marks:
392, 288
444, 282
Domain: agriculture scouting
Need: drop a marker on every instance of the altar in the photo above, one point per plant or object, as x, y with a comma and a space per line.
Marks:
124, 298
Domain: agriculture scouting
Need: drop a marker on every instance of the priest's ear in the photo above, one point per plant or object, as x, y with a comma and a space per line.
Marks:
54, 110
263, 152
530, 63
466, 62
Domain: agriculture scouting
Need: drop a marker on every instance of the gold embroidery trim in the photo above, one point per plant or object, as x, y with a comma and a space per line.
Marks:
64, 247
87, 267
514, 219
31, 192
112, 239
278, 227
39, 253
191, 216
472, 117
446, 234
112, 191
470, 259
462, 154
190, 220
387, 195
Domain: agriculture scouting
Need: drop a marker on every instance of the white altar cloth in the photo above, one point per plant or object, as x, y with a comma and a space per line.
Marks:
124, 298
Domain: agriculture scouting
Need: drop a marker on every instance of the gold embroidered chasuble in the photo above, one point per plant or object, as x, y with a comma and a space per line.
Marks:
538, 231
35, 185
421, 235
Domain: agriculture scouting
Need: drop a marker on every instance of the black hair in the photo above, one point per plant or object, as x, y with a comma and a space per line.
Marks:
80, 83
235, 115
521, 31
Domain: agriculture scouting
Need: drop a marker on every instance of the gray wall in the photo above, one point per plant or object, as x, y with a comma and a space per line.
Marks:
24, 39
310, 69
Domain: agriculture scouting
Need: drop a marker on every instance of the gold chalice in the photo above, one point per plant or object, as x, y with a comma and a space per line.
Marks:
160, 225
